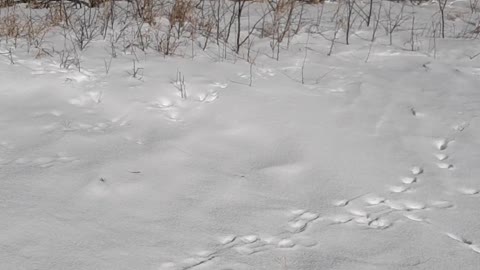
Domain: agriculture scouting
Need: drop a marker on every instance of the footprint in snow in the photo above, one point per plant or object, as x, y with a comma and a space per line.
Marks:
374, 200
225, 240
249, 239
196, 261
358, 212
459, 238
396, 205
251, 244
475, 248
286, 243
299, 224
414, 205
363, 218
405, 205
379, 223
208, 97
441, 204
461, 127
442, 144
441, 156
398, 189
409, 180
345, 202
162, 103
219, 85
468, 191
340, 219
416, 170
444, 165
415, 217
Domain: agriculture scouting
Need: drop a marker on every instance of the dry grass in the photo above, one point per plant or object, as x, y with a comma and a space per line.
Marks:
11, 26
6, 3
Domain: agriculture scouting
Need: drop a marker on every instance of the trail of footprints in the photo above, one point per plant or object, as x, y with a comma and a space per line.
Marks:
253, 243
442, 145
32, 161
172, 109
411, 210
368, 210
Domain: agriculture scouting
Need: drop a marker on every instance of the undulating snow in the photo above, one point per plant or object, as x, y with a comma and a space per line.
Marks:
371, 163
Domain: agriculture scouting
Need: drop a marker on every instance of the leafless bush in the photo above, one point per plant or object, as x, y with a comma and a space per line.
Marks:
11, 26
68, 58
394, 19
137, 72
180, 24
144, 9
84, 27
6, 3
282, 19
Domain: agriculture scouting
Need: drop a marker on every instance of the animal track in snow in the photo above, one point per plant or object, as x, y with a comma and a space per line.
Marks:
405, 205
459, 238
461, 127
468, 191
413, 205
267, 71
208, 97
409, 180
379, 223
69, 126
253, 243
441, 156
415, 217
363, 218
340, 219
442, 144
90, 97
358, 212
162, 103
416, 170
170, 113
345, 202
286, 243
227, 239
341, 203
441, 204
45, 162
464, 241
249, 239
196, 261
443, 165
475, 248
219, 85
299, 224
398, 189
396, 205
374, 200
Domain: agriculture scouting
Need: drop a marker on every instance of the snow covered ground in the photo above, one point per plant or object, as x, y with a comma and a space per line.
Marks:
371, 163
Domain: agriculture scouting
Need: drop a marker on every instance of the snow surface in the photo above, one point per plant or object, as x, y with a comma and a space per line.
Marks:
368, 165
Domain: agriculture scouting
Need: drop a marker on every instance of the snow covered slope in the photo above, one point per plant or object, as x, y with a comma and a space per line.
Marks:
371, 163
